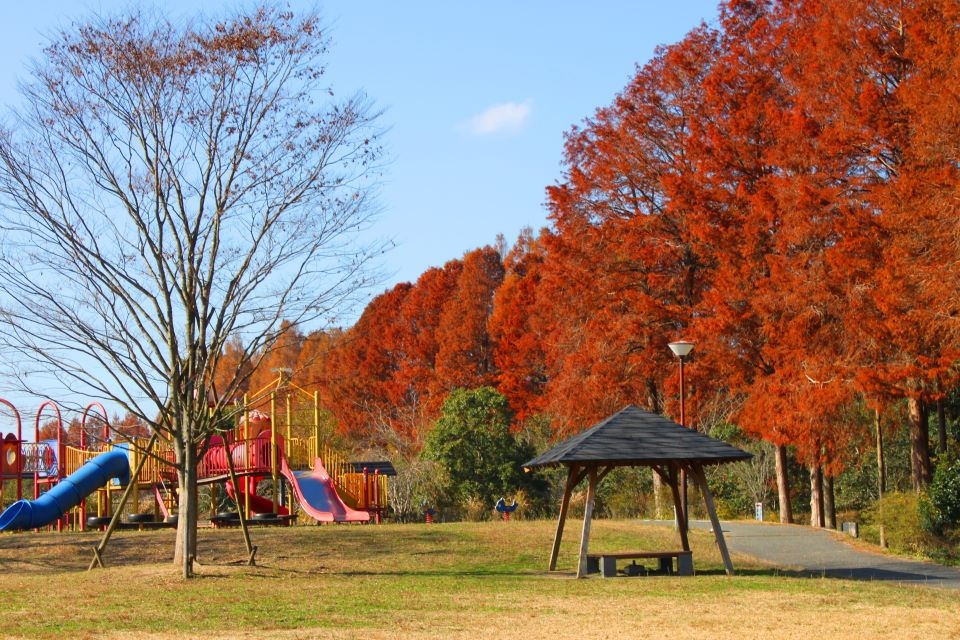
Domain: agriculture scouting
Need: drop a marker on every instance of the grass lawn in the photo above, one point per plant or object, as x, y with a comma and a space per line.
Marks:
461, 580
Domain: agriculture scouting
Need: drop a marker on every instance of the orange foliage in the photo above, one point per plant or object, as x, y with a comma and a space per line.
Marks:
464, 352
779, 187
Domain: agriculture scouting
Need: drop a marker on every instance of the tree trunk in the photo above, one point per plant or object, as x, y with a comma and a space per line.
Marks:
816, 497
941, 426
657, 490
919, 444
783, 485
881, 463
829, 508
185, 550
656, 406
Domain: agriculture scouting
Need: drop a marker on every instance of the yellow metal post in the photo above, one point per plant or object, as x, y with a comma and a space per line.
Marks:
286, 446
289, 420
141, 460
316, 424
274, 472
246, 455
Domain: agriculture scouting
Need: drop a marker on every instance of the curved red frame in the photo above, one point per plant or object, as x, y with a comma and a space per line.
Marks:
83, 447
19, 443
61, 464
83, 424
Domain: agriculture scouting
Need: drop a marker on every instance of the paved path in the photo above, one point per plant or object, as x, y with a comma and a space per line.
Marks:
820, 552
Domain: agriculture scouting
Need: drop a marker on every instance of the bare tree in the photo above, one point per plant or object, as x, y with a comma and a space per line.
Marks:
166, 186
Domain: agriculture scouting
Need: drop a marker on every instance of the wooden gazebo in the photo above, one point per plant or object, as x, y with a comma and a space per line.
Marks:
634, 437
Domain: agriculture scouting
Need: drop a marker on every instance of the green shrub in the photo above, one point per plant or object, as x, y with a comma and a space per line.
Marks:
625, 493
898, 514
481, 459
940, 505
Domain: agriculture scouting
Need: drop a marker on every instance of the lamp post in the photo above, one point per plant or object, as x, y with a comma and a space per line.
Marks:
682, 349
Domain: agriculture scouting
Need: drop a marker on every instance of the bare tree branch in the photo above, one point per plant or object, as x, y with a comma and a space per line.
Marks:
167, 187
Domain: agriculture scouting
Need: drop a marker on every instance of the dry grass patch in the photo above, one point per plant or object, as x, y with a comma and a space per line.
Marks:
416, 581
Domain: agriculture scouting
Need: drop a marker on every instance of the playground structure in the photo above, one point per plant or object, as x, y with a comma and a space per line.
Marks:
297, 472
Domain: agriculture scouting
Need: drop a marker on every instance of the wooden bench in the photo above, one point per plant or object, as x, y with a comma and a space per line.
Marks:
606, 563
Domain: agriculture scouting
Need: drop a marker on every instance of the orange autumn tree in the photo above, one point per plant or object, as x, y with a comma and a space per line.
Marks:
778, 187
359, 369
465, 358
623, 270
233, 365
736, 220
904, 342
518, 326
776, 218
277, 360
420, 320
389, 374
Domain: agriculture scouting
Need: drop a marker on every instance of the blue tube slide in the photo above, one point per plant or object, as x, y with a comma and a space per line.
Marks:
66, 494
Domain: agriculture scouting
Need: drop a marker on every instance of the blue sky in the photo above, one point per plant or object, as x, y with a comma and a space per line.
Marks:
477, 97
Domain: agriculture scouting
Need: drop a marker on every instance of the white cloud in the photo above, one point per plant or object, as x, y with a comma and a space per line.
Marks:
509, 117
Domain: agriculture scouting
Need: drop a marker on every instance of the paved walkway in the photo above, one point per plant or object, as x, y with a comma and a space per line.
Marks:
820, 552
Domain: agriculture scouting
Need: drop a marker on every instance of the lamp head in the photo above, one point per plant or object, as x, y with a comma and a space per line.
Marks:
681, 348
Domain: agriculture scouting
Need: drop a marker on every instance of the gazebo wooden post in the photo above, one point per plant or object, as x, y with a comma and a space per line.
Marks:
682, 521
700, 478
587, 518
572, 481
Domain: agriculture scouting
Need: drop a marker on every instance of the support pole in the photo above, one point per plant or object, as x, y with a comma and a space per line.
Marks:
678, 505
135, 480
245, 508
251, 550
683, 512
587, 518
700, 478
274, 473
289, 419
287, 452
564, 505
114, 520
316, 425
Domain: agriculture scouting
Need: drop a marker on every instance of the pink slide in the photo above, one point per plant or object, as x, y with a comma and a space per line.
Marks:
317, 495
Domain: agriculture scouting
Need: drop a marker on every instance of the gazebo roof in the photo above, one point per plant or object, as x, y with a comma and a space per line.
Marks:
634, 437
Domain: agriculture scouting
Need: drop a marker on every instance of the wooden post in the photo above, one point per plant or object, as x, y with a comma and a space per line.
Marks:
98, 550
251, 550
678, 505
572, 481
700, 478
587, 517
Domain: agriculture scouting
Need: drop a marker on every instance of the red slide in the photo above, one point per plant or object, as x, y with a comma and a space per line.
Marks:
258, 504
